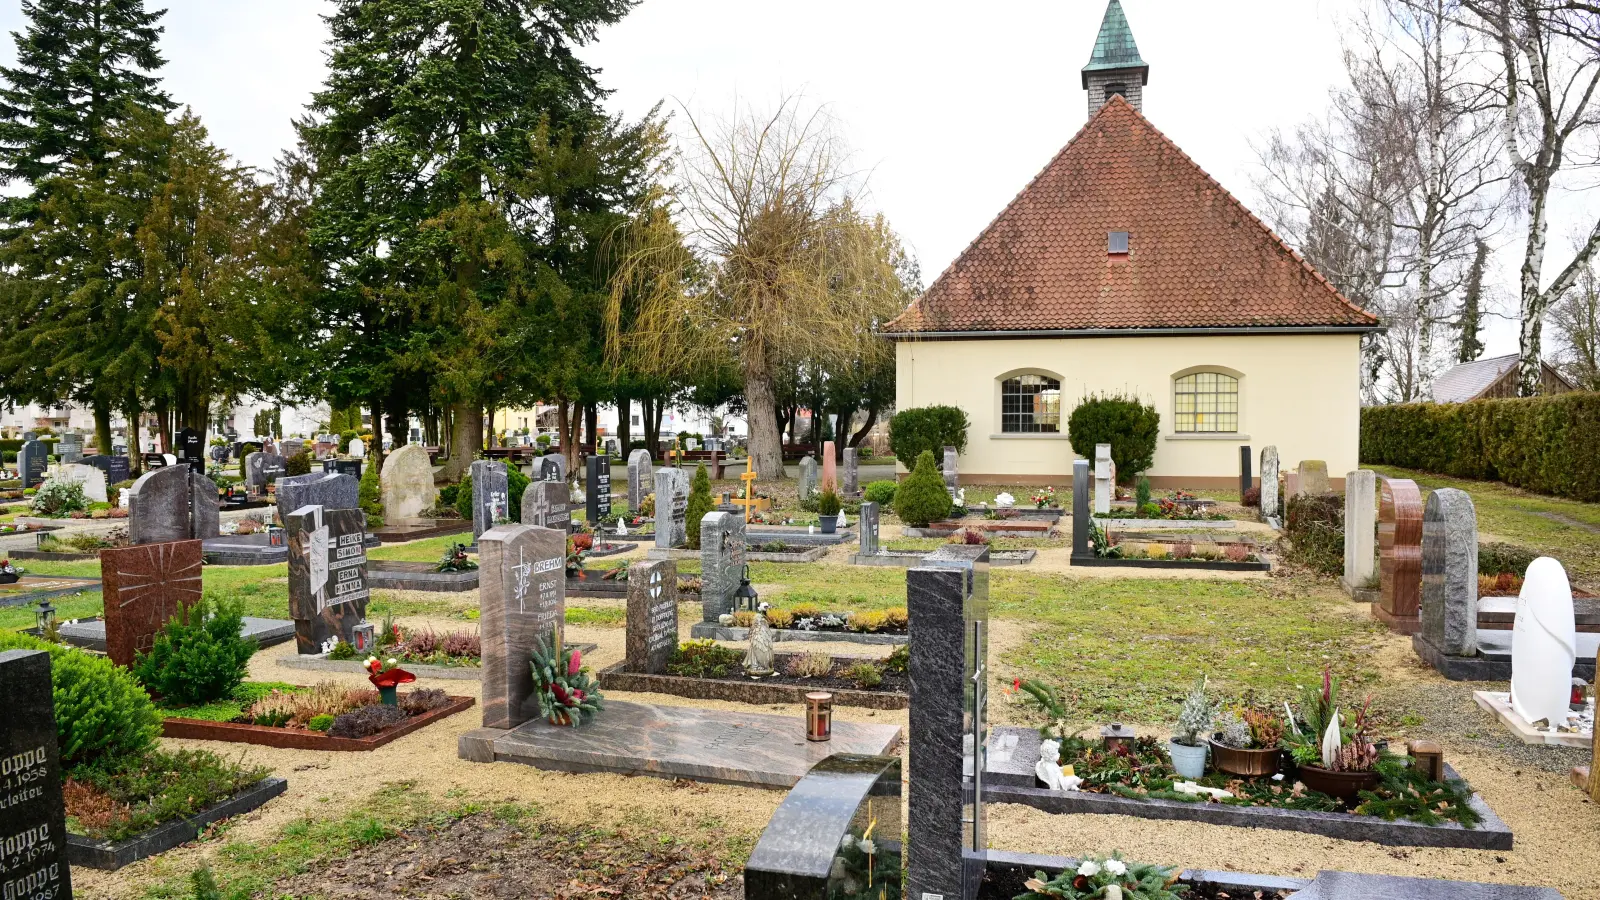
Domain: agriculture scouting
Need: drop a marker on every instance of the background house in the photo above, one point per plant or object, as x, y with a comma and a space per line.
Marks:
1484, 379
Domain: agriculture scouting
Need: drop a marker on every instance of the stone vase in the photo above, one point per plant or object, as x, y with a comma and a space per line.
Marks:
830, 524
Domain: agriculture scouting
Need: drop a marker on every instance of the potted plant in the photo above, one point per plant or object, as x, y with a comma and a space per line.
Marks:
9, 574
1247, 741
1333, 751
1187, 748
1044, 498
387, 676
828, 511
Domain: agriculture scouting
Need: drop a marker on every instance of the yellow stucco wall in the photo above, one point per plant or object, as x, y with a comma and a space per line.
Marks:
1299, 392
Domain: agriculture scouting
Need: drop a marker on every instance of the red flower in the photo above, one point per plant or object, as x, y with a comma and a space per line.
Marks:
577, 694
392, 678
574, 664
1080, 882
561, 694
1016, 684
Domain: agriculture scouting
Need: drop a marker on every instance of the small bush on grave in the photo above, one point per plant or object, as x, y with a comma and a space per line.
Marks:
1495, 558
703, 659
464, 497
370, 495
367, 721
922, 497
199, 656
1141, 493
1129, 426
448, 494
927, 429
898, 662
1251, 497
516, 483
58, 499
1315, 528
881, 493
699, 504
828, 503
866, 675
298, 464
102, 713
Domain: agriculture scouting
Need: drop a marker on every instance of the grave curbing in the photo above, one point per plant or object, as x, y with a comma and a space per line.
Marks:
108, 856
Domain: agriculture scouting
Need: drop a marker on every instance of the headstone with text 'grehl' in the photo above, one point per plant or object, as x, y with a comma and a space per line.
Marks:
522, 599
652, 615
328, 590
33, 816
491, 496
144, 586
597, 487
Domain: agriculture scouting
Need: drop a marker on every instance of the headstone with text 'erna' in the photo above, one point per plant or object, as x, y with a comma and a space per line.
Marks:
328, 590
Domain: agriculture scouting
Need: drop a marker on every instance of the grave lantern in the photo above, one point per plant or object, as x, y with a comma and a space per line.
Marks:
45, 618
274, 536
819, 716
1116, 734
745, 597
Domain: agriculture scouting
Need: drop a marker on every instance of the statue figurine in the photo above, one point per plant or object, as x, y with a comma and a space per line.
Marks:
758, 659
1048, 770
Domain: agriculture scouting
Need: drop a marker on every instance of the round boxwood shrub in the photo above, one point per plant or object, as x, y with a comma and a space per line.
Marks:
699, 504
927, 428
881, 493
1130, 427
298, 464
199, 656
102, 713
922, 497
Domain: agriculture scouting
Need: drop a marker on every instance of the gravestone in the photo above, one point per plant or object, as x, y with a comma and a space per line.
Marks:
262, 468
552, 467
1269, 483
1080, 510
952, 475
830, 469
522, 598
357, 448
328, 590
597, 487
1245, 481
1543, 644
808, 478
491, 496
947, 598
722, 557
1360, 528
205, 507
869, 529
33, 816
1399, 554
292, 447
92, 479
144, 586
816, 844
672, 506
640, 479
547, 504
652, 615
1105, 473
1313, 478
850, 481
407, 482
191, 448
69, 449
160, 507
1450, 572
118, 469
30, 436
316, 489
32, 460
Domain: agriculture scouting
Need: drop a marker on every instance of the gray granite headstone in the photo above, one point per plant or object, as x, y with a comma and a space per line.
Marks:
33, 818
947, 598
69, 449
672, 506
491, 496
160, 507
640, 479
1246, 481
1360, 527
816, 834
652, 615
1269, 483
1081, 488
292, 447
1350, 885
328, 589
722, 557
522, 599
1450, 572
547, 504
262, 468
329, 491
205, 507
869, 528
808, 478
32, 460
850, 479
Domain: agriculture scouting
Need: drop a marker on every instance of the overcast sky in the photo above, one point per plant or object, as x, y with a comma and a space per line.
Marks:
950, 106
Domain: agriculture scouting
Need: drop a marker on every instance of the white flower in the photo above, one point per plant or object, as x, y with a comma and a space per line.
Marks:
867, 847
392, 662
371, 660
846, 841
1116, 867
1089, 869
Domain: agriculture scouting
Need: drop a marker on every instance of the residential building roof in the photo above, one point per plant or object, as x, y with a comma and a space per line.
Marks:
1197, 258
1114, 47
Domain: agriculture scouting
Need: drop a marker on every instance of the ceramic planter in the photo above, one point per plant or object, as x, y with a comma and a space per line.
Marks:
829, 523
1249, 763
1190, 762
1344, 785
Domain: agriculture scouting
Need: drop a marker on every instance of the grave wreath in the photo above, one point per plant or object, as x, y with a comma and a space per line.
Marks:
568, 693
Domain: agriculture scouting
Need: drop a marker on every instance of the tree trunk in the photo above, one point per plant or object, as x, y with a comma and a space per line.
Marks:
163, 426
766, 444
135, 450
866, 427
564, 429
466, 431
624, 425
102, 427
650, 421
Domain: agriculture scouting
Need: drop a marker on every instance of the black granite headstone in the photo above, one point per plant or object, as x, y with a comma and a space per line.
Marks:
118, 470
191, 449
1245, 479
1081, 486
491, 496
328, 590
597, 487
31, 460
33, 819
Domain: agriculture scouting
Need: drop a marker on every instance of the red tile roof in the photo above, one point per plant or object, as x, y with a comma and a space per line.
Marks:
1198, 258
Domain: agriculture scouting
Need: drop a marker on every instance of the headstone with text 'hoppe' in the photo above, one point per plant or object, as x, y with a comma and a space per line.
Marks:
652, 615
522, 596
33, 816
328, 590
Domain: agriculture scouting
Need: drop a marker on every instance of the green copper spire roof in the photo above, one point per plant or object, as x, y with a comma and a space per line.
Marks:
1114, 47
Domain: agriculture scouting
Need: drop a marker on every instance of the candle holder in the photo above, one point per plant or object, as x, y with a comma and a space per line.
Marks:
819, 716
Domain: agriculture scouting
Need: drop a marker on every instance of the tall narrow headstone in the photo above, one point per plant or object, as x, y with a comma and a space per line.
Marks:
1450, 573
547, 504
641, 479
722, 557
522, 599
407, 482
144, 586
1246, 482
491, 495
672, 507
1104, 478
1399, 554
205, 507
869, 528
850, 480
947, 598
808, 478
597, 488
952, 474
1360, 527
191, 449
652, 615
1269, 483
69, 449
830, 469
33, 816
328, 590
1080, 509
32, 460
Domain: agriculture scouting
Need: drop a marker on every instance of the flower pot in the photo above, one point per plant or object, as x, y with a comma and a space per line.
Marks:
1344, 785
1190, 762
1249, 763
389, 696
829, 523
9, 577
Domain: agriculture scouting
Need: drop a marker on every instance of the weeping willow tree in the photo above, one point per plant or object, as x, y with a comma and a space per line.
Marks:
762, 256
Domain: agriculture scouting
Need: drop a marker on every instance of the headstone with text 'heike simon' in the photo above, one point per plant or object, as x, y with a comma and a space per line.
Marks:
522, 598
143, 587
491, 495
33, 816
652, 615
547, 504
1399, 554
407, 482
328, 590
641, 479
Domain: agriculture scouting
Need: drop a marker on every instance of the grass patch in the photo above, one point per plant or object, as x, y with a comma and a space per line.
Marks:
426, 550
232, 708
601, 616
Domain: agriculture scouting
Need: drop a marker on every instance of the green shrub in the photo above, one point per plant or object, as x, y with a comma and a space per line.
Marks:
828, 503
464, 497
102, 713
448, 494
866, 675
1495, 558
1141, 493
370, 494
1130, 427
1315, 527
516, 483
922, 497
298, 464
199, 656
881, 493
699, 504
898, 662
57, 498
1543, 444
703, 659
927, 428
320, 723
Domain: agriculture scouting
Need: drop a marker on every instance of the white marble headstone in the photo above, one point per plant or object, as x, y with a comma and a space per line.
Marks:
1104, 472
1543, 644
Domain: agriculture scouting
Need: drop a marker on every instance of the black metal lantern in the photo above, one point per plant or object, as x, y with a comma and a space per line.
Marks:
45, 618
745, 597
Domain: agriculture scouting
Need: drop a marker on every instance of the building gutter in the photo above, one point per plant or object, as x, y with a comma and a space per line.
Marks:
1128, 332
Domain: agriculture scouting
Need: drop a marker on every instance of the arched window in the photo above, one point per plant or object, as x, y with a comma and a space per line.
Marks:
1206, 402
1030, 404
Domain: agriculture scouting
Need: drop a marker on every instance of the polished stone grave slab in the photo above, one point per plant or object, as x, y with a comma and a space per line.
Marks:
1499, 704
711, 745
1493, 662
90, 634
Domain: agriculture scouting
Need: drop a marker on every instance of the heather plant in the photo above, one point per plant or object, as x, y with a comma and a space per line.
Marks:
1195, 717
810, 665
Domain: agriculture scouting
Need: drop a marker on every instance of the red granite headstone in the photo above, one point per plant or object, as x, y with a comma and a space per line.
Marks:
144, 586
830, 470
1399, 554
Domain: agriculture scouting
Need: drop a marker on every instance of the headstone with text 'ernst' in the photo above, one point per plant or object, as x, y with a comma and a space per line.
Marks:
547, 504
522, 599
652, 615
32, 460
144, 586
1399, 554
641, 479
491, 495
33, 816
328, 590
597, 487
722, 556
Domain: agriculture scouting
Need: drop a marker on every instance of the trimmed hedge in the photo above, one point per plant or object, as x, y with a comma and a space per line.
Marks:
930, 428
1543, 444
